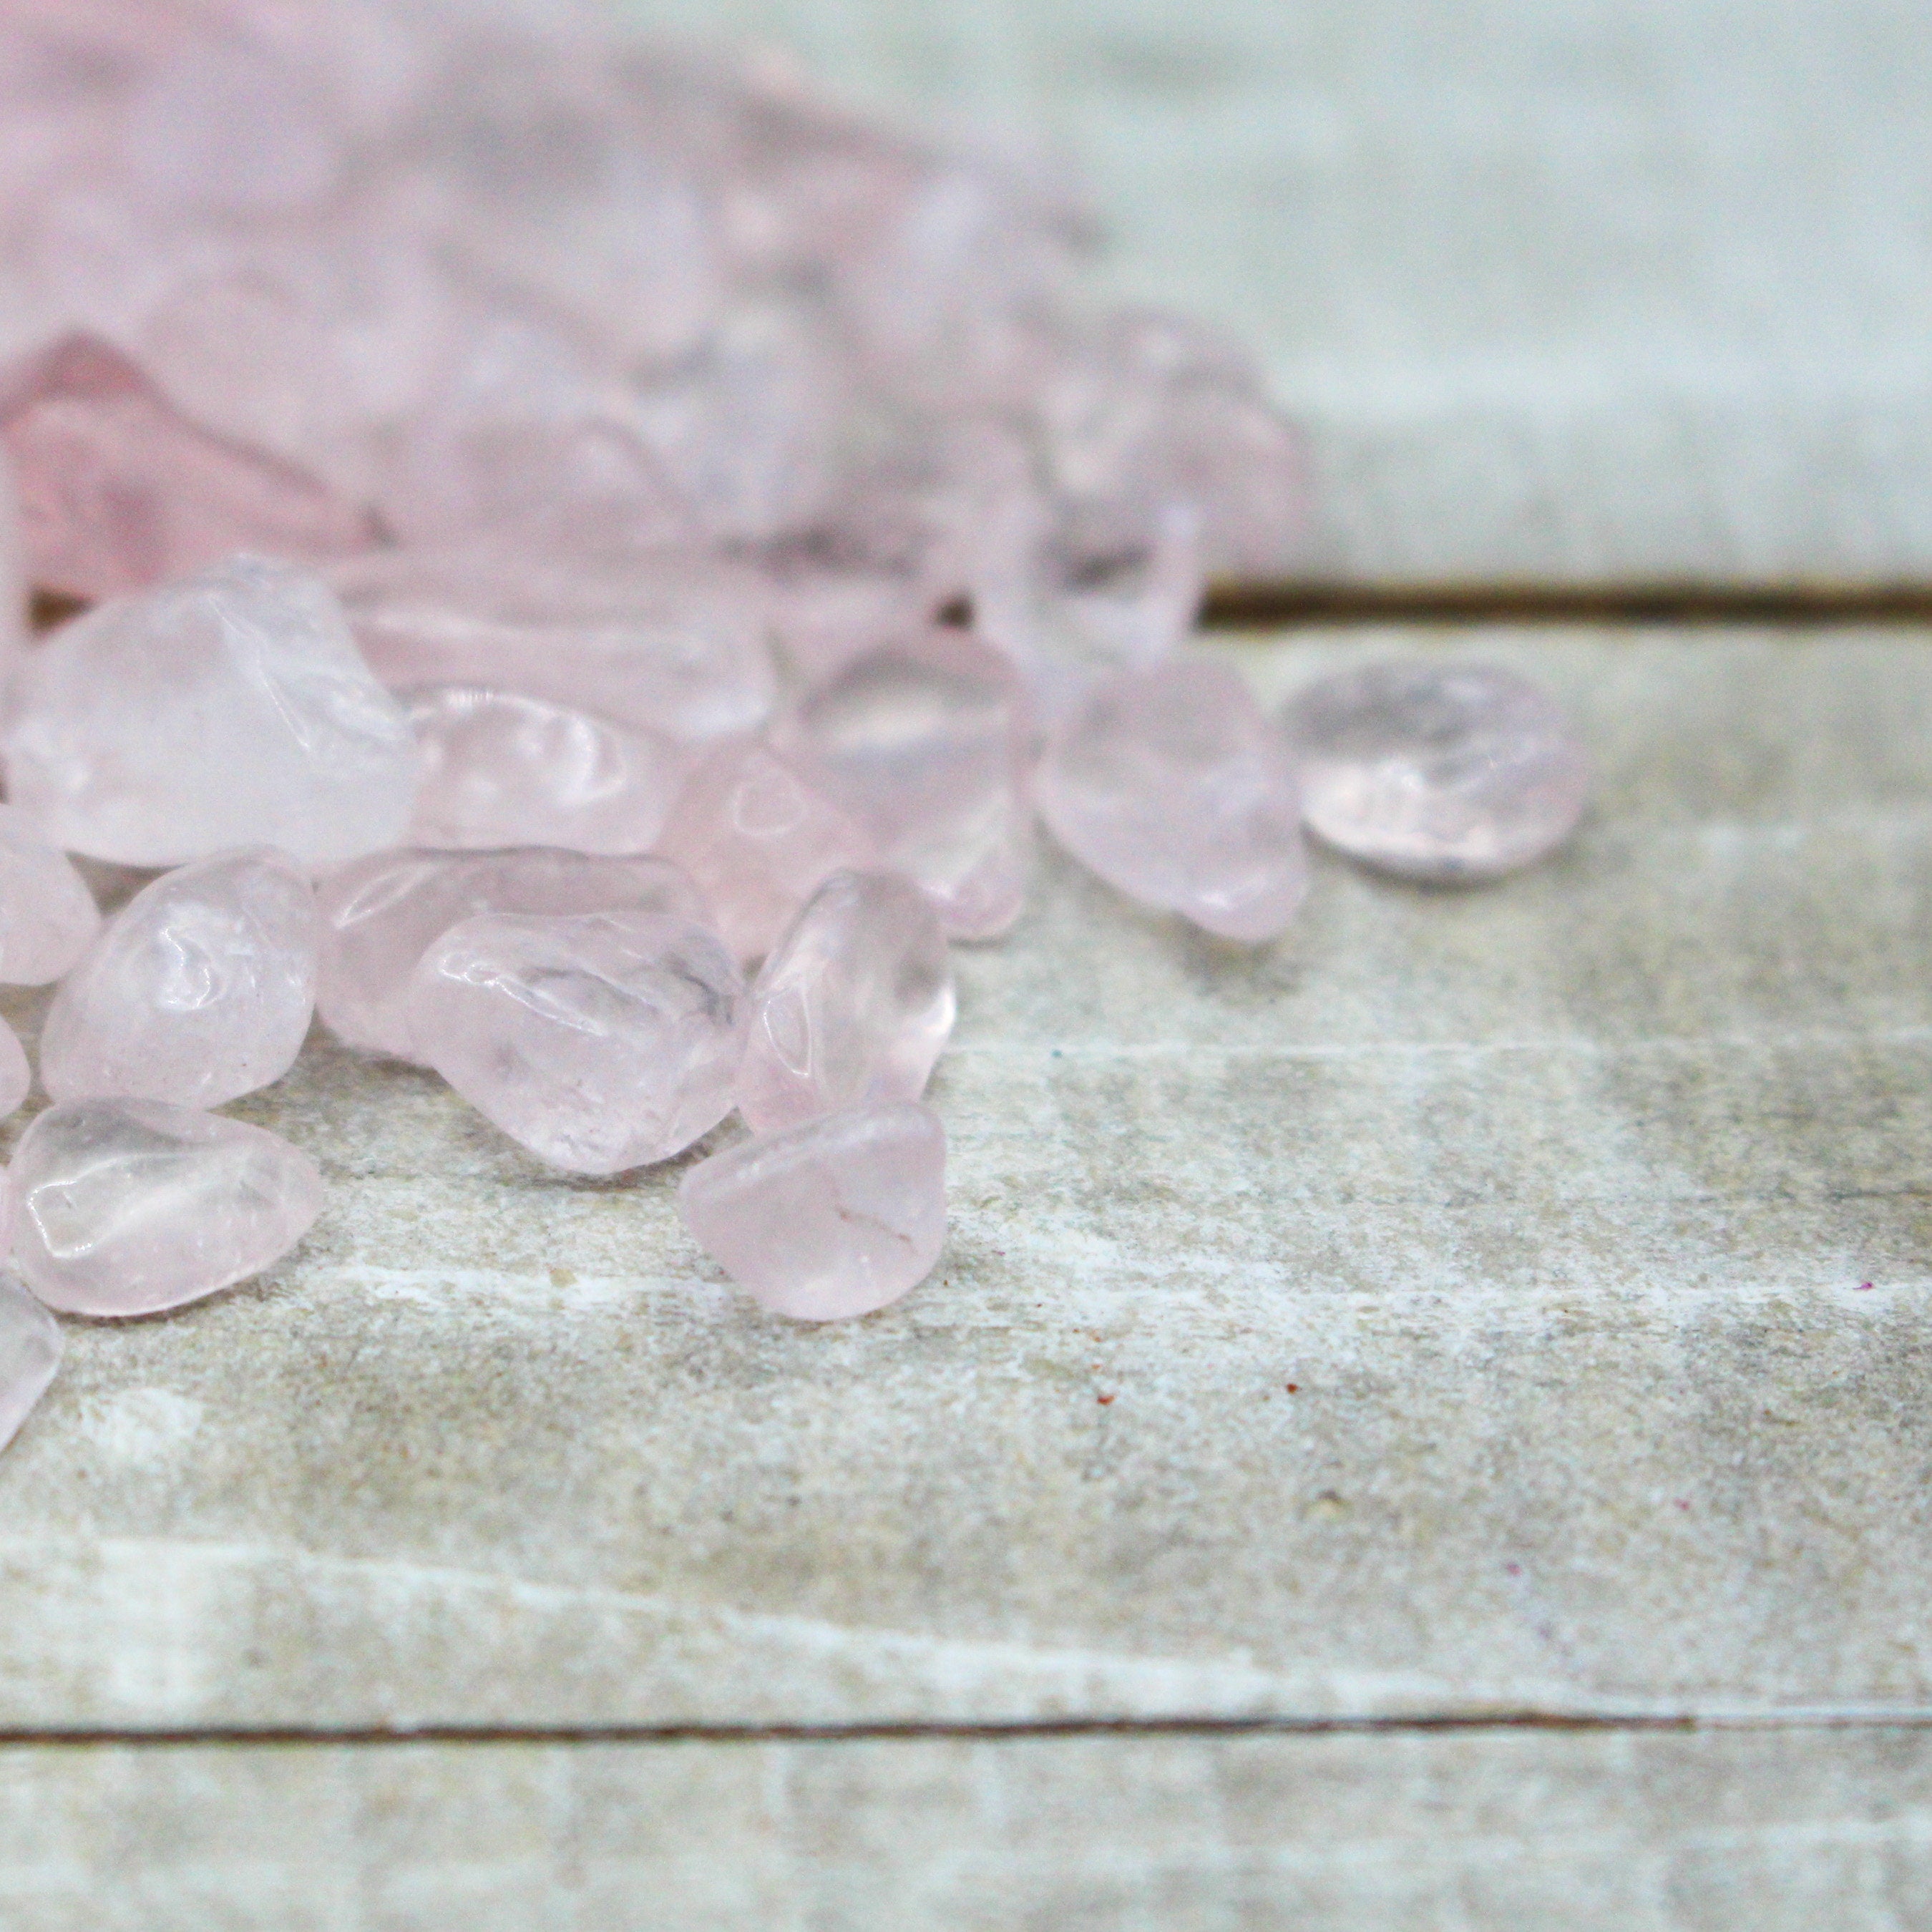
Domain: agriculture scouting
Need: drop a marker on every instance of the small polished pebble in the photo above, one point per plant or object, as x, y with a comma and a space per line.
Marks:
1439, 771
1171, 785
228, 709
601, 1042
380, 915
124, 1208
199, 990
16, 1077
853, 1008
924, 743
500, 769
759, 839
835, 1218
48, 917
31, 1347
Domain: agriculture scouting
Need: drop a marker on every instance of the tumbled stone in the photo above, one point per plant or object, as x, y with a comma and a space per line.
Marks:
1434, 771
823, 618
1172, 786
601, 1042
30, 1348
13, 588
499, 769
16, 1077
834, 1218
126, 1207
853, 1006
232, 709
119, 491
665, 642
380, 915
48, 918
759, 840
923, 743
199, 990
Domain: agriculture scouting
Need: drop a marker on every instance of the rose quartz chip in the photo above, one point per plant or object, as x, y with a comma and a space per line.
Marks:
832, 1219
16, 1077
853, 1006
1171, 785
30, 1352
381, 914
923, 743
500, 769
128, 1206
232, 709
119, 491
602, 1042
48, 918
662, 642
199, 990
13, 586
759, 840
1437, 771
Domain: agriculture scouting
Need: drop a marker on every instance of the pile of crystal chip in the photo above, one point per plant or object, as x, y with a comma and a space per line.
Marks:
587, 568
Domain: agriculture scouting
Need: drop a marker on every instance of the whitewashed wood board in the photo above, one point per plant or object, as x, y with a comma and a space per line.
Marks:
1554, 1202
1563, 289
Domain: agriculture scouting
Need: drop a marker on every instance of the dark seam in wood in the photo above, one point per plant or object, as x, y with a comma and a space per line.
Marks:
1798, 604
1021, 1730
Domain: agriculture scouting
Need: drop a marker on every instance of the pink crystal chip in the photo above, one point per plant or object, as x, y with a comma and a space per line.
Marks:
1440, 772
835, 1218
228, 710
129, 1206
199, 990
48, 918
16, 1077
499, 769
119, 491
30, 1352
602, 1042
853, 1006
1172, 786
381, 914
923, 744
759, 840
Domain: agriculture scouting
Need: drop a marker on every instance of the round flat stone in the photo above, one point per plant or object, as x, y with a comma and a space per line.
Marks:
126, 1207
1434, 771
832, 1219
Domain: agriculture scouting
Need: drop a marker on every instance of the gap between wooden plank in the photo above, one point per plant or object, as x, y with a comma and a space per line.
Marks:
1021, 1730
1796, 604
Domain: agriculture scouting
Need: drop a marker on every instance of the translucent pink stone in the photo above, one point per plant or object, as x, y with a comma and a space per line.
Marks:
499, 769
832, 1219
602, 1042
1437, 771
118, 490
229, 710
129, 1206
381, 914
667, 642
823, 618
923, 743
13, 588
31, 1347
16, 1077
853, 1006
1171, 785
199, 990
759, 840
48, 918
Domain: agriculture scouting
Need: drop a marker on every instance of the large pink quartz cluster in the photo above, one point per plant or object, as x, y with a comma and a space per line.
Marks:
586, 566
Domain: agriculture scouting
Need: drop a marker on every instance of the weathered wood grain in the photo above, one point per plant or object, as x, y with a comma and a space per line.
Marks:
1778, 1833
1563, 289
1555, 1203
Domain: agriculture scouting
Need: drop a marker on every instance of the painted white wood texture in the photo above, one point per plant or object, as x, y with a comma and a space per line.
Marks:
1555, 1202
1789, 1832
1562, 289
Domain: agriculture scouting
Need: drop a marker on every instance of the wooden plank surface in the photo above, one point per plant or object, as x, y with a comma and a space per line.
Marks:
1563, 289
1554, 1202
1592, 1833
